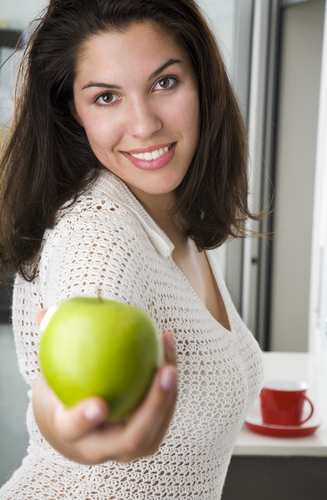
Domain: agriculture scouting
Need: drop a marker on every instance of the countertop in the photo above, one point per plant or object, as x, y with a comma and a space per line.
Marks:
292, 366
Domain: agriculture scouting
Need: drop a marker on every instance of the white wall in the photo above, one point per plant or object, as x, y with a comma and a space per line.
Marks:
296, 155
19, 13
222, 18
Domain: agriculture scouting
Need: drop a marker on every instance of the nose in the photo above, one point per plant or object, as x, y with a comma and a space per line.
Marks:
143, 119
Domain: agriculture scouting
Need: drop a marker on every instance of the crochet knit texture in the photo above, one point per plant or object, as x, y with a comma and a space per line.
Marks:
106, 241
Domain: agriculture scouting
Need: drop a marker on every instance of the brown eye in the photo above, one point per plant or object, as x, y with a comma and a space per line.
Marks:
107, 98
164, 83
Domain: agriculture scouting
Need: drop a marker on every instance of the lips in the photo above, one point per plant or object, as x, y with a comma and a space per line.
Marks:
151, 157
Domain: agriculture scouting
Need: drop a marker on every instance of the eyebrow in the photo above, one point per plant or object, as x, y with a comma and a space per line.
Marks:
163, 67
170, 62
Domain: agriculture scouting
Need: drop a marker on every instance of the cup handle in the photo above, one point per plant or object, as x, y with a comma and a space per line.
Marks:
312, 408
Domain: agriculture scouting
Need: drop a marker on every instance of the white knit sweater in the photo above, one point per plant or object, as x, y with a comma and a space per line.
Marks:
107, 241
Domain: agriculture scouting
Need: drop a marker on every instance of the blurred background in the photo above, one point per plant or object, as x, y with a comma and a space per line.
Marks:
274, 52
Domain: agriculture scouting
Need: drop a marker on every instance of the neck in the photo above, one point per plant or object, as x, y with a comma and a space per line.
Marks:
160, 208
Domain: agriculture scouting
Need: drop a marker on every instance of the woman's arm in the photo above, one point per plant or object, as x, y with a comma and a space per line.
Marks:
82, 433
81, 257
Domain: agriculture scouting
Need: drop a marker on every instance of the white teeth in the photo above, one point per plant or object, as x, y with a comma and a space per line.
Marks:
140, 156
151, 156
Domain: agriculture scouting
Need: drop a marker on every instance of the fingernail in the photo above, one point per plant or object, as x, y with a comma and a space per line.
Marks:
168, 378
93, 412
170, 341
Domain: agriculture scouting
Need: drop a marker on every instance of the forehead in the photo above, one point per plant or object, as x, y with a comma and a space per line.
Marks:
141, 44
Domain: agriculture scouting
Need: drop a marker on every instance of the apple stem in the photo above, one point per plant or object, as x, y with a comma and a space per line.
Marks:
99, 295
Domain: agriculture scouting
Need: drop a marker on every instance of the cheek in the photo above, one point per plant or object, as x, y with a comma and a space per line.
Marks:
186, 115
102, 136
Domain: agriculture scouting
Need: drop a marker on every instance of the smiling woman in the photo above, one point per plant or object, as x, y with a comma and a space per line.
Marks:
126, 165
144, 125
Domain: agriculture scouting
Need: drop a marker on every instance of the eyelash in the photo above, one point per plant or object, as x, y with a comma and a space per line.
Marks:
171, 87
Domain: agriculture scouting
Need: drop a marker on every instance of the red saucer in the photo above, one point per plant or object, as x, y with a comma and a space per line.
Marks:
255, 424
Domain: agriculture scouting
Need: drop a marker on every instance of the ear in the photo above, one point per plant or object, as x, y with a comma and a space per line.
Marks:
73, 111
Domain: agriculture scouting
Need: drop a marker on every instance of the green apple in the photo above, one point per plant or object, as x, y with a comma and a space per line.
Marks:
96, 347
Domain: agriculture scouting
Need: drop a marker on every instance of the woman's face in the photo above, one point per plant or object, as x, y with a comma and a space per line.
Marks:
136, 96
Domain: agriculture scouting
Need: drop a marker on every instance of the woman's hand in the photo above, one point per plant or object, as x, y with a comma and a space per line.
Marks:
82, 433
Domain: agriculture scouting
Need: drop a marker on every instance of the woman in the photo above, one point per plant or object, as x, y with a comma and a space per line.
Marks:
126, 164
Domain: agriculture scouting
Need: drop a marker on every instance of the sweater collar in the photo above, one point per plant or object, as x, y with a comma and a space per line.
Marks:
109, 184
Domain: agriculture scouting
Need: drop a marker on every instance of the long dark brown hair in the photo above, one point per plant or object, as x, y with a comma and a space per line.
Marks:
48, 160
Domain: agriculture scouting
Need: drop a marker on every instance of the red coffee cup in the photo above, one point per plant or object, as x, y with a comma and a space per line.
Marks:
282, 403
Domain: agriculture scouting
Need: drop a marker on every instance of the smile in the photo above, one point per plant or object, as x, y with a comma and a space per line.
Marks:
153, 155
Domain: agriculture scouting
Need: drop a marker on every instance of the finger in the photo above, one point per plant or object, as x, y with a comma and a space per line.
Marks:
152, 426
160, 429
125, 441
169, 347
39, 316
74, 423
147, 422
